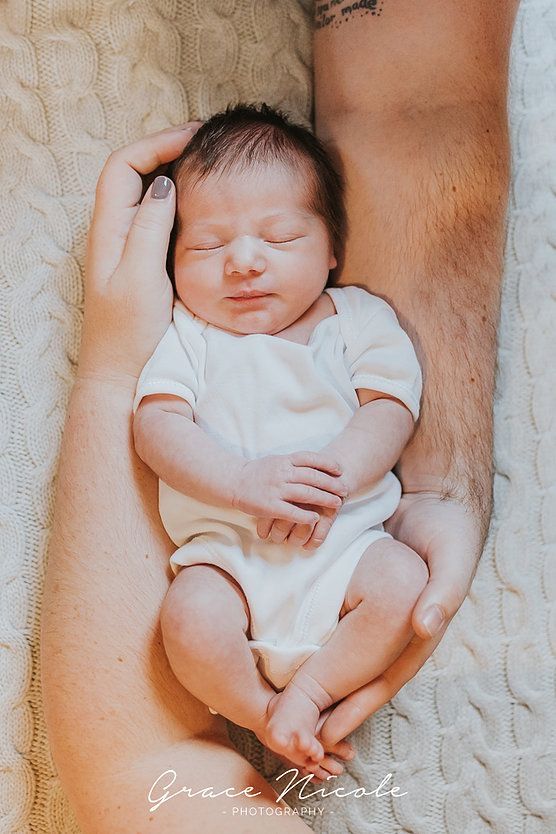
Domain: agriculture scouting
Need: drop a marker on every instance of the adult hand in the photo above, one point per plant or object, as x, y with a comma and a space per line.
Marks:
128, 295
449, 537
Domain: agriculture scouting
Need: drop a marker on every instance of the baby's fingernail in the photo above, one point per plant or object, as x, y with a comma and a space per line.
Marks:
433, 619
161, 188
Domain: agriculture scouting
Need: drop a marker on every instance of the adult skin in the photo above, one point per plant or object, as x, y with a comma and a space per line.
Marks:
116, 716
424, 147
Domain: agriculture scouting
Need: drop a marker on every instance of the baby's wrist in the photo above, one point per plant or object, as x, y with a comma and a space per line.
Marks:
236, 481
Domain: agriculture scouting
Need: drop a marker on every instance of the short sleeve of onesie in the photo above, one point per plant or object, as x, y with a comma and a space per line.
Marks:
175, 365
379, 353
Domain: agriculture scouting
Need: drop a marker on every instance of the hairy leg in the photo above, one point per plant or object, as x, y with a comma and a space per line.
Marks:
373, 631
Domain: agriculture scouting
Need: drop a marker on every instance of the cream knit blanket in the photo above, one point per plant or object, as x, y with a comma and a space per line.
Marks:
469, 738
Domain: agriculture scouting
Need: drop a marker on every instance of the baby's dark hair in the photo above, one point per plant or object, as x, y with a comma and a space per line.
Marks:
245, 135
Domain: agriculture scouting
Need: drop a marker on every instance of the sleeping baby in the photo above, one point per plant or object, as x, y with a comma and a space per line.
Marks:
272, 412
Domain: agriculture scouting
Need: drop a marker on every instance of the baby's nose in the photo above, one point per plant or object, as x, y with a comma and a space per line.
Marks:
245, 255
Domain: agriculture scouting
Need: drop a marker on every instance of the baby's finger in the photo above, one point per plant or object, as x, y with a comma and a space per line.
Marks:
264, 526
289, 512
315, 478
280, 530
303, 494
300, 534
317, 460
322, 529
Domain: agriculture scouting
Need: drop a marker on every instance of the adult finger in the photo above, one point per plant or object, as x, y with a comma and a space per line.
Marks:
119, 189
448, 585
147, 240
353, 710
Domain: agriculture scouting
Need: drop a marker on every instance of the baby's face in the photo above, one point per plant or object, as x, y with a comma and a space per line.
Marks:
250, 256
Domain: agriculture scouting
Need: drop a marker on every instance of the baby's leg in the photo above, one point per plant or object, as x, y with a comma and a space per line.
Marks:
204, 622
372, 633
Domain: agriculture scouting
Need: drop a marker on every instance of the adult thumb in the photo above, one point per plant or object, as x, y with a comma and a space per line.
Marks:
441, 598
147, 241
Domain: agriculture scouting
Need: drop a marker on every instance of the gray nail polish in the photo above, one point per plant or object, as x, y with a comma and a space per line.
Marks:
161, 188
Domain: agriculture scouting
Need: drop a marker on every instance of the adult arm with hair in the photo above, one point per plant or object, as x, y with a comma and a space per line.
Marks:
125, 736
412, 103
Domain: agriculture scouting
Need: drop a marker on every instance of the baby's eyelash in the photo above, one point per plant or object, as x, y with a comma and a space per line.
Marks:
220, 245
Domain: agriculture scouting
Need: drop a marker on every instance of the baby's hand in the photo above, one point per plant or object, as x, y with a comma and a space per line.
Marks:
308, 536
277, 486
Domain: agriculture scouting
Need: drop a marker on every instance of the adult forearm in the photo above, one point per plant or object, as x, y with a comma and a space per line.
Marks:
186, 458
427, 194
105, 538
371, 443
116, 715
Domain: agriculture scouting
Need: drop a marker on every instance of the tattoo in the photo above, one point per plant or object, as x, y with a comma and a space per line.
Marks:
335, 12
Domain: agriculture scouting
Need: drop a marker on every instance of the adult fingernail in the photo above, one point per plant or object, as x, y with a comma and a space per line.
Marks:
161, 188
433, 619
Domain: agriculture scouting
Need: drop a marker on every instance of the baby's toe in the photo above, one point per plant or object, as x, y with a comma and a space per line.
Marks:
312, 747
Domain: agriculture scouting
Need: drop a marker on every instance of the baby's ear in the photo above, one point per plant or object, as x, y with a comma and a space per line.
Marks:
332, 263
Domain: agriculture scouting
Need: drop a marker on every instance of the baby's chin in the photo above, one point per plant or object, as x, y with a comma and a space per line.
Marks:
243, 321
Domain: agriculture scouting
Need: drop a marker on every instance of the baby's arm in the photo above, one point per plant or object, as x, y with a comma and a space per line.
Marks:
181, 453
187, 459
367, 448
373, 440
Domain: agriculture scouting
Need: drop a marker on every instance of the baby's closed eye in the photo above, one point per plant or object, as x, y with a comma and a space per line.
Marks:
275, 240
208, 247
283, 239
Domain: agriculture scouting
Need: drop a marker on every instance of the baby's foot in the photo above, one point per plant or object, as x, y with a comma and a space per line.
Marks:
292, 717
328, 766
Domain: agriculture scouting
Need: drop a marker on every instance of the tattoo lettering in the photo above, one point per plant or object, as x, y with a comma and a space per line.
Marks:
335, 12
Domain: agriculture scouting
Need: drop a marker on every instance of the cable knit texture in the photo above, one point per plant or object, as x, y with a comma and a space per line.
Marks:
469, 738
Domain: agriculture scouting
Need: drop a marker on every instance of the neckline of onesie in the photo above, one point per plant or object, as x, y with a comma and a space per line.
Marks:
206, 325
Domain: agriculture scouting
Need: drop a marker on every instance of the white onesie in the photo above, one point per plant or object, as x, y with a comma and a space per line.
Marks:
258, 395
